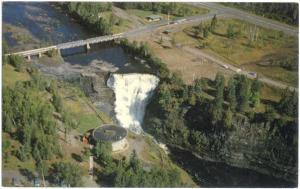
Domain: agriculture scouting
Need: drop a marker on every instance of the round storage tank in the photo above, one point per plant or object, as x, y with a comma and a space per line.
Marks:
111, 133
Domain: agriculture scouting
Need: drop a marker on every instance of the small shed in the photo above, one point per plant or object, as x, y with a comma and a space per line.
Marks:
153, 18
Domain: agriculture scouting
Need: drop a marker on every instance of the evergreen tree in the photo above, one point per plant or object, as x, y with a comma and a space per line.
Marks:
243, 93
228, 116
232, 94
269, 114
217, 105
69, 173
102, 152
134, 162
230, 31
205, 32
198, 86
213, 23
255, 93
288, 104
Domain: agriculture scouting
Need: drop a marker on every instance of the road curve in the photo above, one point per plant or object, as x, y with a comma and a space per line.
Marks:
254, 19
223, 11
237, 70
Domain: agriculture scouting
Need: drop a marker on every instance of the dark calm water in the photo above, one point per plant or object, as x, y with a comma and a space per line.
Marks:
48, 25
212, 174
43, 21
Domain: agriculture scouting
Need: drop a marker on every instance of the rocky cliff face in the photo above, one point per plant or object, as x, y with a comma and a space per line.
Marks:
94, 86
266, 147
260, 147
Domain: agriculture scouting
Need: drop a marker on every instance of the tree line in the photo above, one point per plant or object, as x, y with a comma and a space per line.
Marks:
183, 115
172, 8
202, 116
285, 12
28, 118
89, 14
131, 173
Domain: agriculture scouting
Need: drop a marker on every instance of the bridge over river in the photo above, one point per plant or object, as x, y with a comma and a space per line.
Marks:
72, 44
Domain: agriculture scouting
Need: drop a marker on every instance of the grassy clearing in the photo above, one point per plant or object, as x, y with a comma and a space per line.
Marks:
270, 46
193, 10
77, 105
122, 27
271, 93
10, 76
87, 122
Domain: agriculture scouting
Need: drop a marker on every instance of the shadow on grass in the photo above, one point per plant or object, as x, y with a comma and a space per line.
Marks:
76, 157
28, 174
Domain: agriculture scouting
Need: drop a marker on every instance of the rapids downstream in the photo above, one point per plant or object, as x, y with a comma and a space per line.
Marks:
132, 93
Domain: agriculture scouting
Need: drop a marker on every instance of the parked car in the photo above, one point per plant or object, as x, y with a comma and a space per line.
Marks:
225, 66
254, 74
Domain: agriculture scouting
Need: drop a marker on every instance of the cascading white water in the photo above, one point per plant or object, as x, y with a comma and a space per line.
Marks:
132, 92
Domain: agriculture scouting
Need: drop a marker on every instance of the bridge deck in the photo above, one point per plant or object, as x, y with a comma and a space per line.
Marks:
67, 45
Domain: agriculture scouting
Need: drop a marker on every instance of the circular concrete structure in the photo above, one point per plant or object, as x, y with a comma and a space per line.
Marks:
111, 133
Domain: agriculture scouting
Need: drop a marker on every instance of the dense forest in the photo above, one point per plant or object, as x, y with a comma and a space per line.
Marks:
219, 121
130, 173
284, 12
175, 9
32, 111
90, 15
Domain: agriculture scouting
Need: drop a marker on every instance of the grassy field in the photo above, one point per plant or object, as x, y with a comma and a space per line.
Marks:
124, 25
81, 109
270, 46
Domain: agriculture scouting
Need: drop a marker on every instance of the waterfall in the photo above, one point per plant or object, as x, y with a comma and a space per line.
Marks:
132, 92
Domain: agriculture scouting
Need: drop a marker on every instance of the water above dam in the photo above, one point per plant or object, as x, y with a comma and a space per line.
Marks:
132, 93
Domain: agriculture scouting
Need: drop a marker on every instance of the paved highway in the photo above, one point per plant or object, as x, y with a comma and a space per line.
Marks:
235, 69
222, 11
258, 20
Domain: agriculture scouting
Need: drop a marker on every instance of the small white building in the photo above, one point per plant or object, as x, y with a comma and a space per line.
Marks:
153, 18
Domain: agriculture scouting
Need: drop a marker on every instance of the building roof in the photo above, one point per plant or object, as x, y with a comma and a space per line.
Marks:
109, 132
154, 17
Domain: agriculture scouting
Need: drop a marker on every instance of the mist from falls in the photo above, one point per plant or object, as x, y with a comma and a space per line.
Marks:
132, 93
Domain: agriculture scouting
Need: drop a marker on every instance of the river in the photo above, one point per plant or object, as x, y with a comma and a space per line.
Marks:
47, 25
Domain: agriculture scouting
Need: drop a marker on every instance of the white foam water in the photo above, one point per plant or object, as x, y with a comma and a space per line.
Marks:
132, 92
